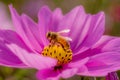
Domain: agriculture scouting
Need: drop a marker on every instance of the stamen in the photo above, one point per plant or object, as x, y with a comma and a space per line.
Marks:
58, 53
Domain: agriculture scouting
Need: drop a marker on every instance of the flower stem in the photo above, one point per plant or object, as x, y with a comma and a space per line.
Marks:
92, 78
82, 78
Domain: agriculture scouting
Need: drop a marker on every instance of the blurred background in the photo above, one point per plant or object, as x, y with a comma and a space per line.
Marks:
31, 8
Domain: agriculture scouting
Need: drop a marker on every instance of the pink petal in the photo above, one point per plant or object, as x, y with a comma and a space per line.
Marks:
79, 63
112, 76
89, 28
55, 20
32, 33
48, 74
102, 64
105, 44
44, 17
48, 21
7, 57
107, 58
32, 60
99, 72
5, 21
104, 57
69, 72
82, 70
26, 28
108, 43
95, 31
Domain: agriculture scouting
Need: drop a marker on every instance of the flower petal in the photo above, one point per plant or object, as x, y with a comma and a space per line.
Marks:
7, 57
108, 43
5, 21
104, 57
69, 72
55, 20
102, 64
32, 33
112, 76
32, 60
48, 74
79, 63
26, 28
105, 44
48, 21
107, 58
44, 17
98, 71
89, 28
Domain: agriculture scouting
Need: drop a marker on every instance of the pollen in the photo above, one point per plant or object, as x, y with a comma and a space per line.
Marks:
58, 52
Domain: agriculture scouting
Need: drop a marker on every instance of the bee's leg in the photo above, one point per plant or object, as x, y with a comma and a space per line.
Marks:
52, 42
61, 45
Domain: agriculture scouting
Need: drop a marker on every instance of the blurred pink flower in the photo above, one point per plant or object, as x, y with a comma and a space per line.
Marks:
112, 76
94, 54
32, 7
5, 22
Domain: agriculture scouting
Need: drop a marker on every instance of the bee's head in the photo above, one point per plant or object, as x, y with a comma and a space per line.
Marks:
51, 36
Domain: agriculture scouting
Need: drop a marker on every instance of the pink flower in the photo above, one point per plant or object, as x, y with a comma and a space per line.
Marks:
112, 76
92, 53
5, 22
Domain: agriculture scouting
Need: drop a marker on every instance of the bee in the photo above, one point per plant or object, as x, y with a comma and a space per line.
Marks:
58, 48
56, 38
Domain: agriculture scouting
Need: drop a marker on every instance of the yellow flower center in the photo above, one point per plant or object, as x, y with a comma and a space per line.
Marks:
58, 52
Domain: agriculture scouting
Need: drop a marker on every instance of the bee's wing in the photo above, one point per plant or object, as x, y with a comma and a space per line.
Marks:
67, 38
64, 31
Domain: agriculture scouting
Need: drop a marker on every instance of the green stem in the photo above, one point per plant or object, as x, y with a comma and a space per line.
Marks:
82, 78
92, 78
